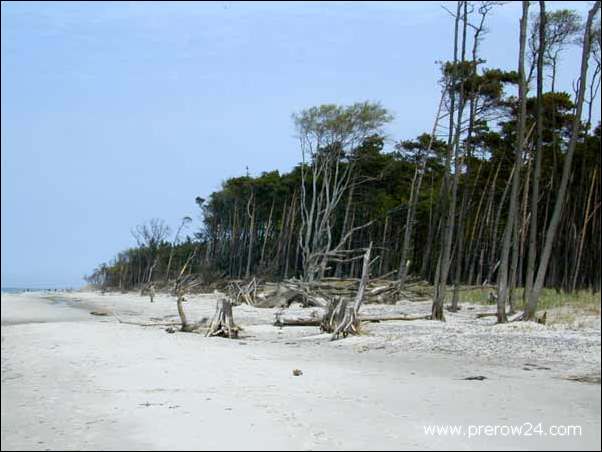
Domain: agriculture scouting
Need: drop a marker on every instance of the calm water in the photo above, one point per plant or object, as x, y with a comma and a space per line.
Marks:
11, 290
30, 289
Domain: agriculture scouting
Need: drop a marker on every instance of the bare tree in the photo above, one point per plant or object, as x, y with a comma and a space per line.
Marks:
183, 283
151, 233
328, 136
149, 236
183, 223
562, 28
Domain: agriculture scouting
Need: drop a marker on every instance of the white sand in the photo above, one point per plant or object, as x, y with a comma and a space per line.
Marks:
75, 381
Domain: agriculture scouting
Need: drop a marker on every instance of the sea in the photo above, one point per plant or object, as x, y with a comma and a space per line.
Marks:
33, 289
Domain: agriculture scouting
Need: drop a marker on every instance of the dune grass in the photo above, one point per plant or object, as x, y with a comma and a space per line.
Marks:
582, 300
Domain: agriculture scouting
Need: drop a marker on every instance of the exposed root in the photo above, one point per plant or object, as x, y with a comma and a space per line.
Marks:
223, 322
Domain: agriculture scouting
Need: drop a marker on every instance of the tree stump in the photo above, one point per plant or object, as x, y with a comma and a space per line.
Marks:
340, 319
335, 312
223, 322
186, 327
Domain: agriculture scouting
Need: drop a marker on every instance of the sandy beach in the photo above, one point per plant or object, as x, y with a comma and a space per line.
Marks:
71, 380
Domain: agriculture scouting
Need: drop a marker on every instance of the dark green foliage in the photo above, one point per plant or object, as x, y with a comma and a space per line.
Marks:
381, 194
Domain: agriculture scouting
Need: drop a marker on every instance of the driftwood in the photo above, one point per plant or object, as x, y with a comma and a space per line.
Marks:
129, 322
341, 319
319, 293
387, 318
223, 321
240, 292
520, 316
311, 318
334, 316
318, 318
99, 313
183, 284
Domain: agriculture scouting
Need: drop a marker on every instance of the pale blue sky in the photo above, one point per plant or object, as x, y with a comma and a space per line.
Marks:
114, 113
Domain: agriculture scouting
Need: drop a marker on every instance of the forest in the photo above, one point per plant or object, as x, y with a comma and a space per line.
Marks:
502, 189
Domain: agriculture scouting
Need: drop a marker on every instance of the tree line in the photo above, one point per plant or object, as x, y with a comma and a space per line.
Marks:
503, 189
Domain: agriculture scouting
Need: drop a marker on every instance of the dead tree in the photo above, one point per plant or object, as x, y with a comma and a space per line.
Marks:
183, 284
184, 222
243, 293
223, 321
329, 136
316, 318
335, 313
149, 237
341, 319
151, 293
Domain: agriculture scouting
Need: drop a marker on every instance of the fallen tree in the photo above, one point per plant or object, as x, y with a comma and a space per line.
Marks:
316, 317
339, 318
289, 292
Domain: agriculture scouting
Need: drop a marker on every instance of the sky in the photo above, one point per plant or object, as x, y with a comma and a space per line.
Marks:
116, 113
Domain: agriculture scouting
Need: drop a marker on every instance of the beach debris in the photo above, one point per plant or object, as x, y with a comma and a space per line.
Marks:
223, 321
128, 322
589, 378
148, 404
316, 294
151, 293
297, 372
315, 318
542, 320
183, 284
341, 319
531, 366
338, 318
170, 330
243, 293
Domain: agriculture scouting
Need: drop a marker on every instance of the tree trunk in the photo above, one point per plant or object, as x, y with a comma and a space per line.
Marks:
503, 280
566, 170
532, 253
223, 321
448, 217
341, 319
266, 234
251, 234
586, 218
414, 193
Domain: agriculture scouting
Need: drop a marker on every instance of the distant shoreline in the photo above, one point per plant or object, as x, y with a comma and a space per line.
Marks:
35, 289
